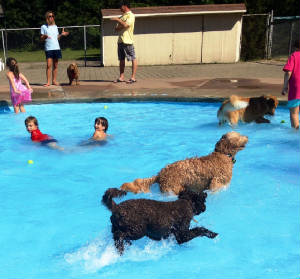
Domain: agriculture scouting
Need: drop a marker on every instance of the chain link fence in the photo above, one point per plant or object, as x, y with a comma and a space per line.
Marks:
268, 37
263, 37
285, 32
82, 45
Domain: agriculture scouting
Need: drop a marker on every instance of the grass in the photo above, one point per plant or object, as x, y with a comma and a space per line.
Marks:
68, 55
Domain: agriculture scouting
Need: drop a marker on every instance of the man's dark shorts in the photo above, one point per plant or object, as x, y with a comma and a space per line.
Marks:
125, 50
54, 54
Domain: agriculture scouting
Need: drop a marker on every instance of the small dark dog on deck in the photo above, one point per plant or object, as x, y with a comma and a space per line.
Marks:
73, 73
136, 218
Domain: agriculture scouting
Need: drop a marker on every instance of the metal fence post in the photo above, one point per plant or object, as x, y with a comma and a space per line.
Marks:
267, 36
84, 39
270, 36
101, 45
291, 37
3, 44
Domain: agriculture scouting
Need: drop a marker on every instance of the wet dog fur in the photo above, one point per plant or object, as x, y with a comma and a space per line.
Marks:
247, 110
136, 218
211, 172
73, 73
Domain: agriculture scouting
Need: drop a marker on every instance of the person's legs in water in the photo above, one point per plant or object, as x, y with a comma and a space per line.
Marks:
22, 109
16, 109
294, 117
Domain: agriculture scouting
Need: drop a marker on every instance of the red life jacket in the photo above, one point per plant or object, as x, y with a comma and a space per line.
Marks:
37, 135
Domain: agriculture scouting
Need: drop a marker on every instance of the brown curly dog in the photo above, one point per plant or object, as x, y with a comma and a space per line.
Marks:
136, 218
73, 73
247, 109
199, 173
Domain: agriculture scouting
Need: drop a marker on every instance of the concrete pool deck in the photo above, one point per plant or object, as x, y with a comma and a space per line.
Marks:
195, 82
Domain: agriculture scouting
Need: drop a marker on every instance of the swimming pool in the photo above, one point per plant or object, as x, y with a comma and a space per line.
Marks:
54, 225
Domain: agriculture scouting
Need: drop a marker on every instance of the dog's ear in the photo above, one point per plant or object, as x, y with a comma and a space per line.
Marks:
272, 101
198, 202
223, 145
184, 194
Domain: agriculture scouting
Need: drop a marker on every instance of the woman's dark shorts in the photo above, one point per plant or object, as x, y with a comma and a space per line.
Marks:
54, 54
125, 50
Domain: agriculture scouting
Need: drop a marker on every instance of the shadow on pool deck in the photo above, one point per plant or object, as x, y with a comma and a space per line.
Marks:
196, 82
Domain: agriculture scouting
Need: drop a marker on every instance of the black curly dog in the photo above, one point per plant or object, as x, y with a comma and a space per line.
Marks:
136, 218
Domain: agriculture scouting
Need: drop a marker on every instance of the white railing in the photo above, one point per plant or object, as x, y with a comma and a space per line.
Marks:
80, 38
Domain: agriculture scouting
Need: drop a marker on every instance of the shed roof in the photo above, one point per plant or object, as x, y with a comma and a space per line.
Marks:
178, 10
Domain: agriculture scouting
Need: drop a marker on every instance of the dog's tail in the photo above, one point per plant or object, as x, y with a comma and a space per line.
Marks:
139, 185
108, 196
235, 103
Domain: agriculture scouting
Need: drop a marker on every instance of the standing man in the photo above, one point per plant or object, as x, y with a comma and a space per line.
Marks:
125, 27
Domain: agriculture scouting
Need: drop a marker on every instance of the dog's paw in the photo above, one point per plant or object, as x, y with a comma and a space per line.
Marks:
212, 235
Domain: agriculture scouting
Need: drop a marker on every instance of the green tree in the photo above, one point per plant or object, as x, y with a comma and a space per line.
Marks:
20, 13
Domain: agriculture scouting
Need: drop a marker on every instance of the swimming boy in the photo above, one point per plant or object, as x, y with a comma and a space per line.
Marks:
32, 127
101, 126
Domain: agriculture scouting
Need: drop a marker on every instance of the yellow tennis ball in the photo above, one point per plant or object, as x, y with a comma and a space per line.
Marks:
30, 161
282, 121
105, 107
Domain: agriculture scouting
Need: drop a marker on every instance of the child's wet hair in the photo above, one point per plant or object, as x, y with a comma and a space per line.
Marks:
31, 119
12, 64
103, 121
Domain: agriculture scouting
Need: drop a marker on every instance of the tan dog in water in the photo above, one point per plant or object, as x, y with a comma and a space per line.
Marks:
247, 109
211, 172
73, 73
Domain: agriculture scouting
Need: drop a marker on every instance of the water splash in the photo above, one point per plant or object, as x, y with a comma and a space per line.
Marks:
101, 252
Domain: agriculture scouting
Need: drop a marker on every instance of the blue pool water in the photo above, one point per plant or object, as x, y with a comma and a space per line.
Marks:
53, 224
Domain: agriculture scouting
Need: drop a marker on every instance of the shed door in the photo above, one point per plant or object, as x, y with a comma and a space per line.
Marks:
187, 39
153, 40
221, 38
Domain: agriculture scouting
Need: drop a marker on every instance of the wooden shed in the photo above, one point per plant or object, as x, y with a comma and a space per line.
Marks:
179, 34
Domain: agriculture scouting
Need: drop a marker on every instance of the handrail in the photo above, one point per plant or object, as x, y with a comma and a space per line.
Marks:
38, 28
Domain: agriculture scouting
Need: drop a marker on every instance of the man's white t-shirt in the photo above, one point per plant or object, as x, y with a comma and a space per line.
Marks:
51, 31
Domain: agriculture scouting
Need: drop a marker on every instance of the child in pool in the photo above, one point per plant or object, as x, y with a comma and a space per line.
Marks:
99, 137
101, 126
32, 127
19, 93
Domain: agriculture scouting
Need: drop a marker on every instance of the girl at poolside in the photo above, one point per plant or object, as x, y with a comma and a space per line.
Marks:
32, 127
292, 85
19, 92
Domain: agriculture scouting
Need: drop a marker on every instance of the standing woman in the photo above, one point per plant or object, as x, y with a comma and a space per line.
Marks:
49, 34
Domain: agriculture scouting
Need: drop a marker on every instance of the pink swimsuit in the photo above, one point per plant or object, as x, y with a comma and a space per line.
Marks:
25, 95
